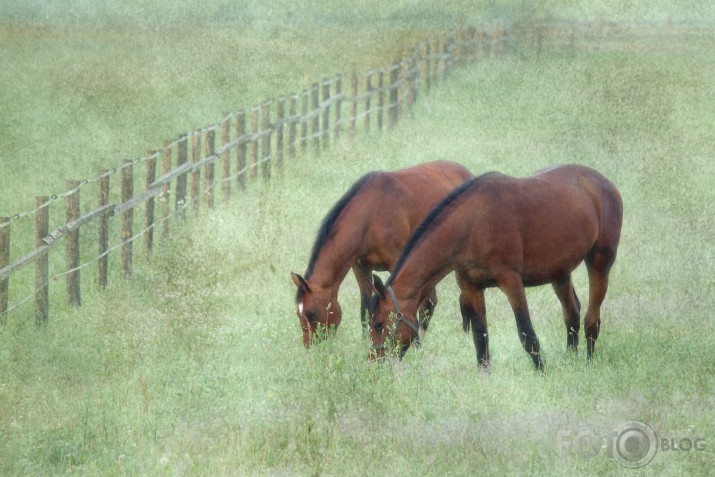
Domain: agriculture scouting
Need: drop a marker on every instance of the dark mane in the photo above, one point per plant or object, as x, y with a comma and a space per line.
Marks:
326, 227
429, 220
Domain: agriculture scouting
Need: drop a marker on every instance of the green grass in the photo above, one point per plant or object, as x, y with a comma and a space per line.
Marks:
196, 365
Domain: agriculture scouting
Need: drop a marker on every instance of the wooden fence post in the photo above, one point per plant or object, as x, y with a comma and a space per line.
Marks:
241, 148
254, 141
266, 132
166, 187
447, 54
4, 262
196, 173
338, 103
436, 61
416, 80
353, 103
315, 114
42, 265
225, 157
293, 126
393, 106
380, 97
209, 175
304, 122
325, 106
127, 218
280, 112
368, 97
428, 66
103, 231
74, 293
150, 204
182, 157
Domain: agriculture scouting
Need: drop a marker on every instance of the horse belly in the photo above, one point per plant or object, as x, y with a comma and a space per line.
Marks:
556, 249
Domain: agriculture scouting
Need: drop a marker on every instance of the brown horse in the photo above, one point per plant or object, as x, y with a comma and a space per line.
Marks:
366, 230
510, 233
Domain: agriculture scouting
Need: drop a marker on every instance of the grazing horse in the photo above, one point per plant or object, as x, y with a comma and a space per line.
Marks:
507, 232
366, 230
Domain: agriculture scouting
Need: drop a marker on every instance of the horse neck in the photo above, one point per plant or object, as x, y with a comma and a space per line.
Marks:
333, 262
428, 263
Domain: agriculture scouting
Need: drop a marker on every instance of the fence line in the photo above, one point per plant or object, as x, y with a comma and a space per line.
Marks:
241, 146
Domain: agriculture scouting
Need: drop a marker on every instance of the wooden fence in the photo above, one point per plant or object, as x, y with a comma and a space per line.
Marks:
190, 173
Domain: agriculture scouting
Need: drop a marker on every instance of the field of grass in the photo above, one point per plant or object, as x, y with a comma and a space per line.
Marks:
196, 365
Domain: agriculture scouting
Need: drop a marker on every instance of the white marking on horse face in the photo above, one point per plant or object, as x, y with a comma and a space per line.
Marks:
300, 308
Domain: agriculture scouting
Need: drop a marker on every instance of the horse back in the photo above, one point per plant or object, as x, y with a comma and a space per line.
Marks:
394, 203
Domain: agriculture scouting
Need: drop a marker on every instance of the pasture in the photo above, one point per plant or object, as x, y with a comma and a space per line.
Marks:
196, 365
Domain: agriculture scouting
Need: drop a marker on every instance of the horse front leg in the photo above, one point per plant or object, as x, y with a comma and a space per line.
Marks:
474, 315
363, 274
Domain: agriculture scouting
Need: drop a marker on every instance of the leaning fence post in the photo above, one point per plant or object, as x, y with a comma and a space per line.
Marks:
103, 231
42, 265
150, 204
166, 186
241, 148
4, 262
209, 174
266, 142
181, 158
225, 157
74, 293
127, 218
196, 173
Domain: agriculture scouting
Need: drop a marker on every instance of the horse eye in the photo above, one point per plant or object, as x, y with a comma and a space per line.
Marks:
378, 326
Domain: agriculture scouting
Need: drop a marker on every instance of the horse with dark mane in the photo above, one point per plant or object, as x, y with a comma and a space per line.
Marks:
366, 230
511, 233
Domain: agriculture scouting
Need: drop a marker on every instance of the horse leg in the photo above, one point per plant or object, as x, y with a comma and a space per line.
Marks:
364, 278
473, 308
427, 307
571, 308
599, 264
512, 286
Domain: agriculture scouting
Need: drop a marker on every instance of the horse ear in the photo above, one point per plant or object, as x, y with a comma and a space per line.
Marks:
378, 286
299, 281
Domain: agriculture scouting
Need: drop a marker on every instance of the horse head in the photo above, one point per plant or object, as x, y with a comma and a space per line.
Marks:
390, 326
317, 308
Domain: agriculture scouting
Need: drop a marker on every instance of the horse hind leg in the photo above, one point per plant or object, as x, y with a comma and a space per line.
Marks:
513, 287
599, 264
571, 308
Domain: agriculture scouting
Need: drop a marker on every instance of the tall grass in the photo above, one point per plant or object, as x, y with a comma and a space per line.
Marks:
196, 366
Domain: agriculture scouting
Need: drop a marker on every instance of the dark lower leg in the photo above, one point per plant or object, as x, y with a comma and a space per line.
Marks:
571, 309
474, 313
